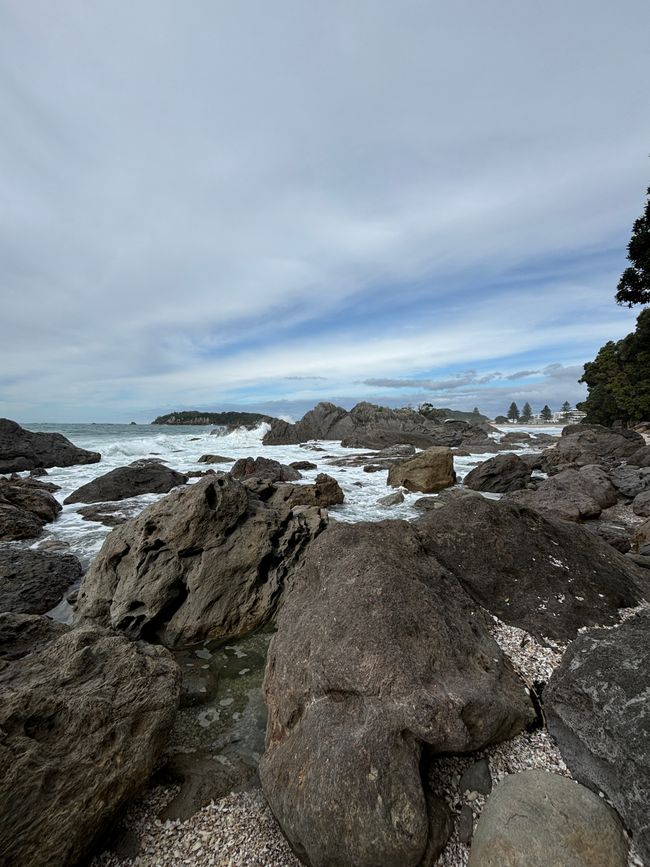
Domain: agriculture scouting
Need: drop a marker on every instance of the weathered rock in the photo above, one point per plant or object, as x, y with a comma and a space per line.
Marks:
631, 481
477, 778
641, 539
21, 449
641, 504
150, 477
108, 515
428, 472
640, 458
215, 459
499, 474
543, 575
584, 444
17, 524
597, 709
573, 495
323, 493
534, 461
303, 465
25, 507
615, 536
449, 495
391, 500
264, 468
85, 714
210, 561
347, 719
33, 582
538, 819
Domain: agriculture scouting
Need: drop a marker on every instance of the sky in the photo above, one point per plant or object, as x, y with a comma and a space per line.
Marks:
256, 205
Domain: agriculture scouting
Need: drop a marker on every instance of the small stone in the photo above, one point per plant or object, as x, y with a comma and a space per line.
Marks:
465, 824
477, 778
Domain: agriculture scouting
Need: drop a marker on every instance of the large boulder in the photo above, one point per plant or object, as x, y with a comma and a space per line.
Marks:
631, 481
571, 494
543, 575
500, 474
641, 539
148, 477
210, 561
21, 449
33, 582
428, 472
584, 444
641, 504
324, 492
25, 507
378, 654
264, 468
85, 714
597, 709
640, 458
539, 819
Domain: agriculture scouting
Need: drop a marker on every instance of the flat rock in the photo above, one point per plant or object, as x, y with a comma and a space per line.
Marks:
538, 819
21, 449
84, 716
33, 582
598, 710
500, 474
124, 482
405, 661
427, 472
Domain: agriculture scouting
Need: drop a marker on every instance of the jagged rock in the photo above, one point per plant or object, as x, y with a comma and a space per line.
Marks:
215, 459
84, 716
541, 574
33, 582
405, 661
538, 819
499, 474
148, 477
427, 472
631, 481
210, 561
596, 706
264, 468
584, 444
303, 465
324, 493
25, 507
572, 494
21, 449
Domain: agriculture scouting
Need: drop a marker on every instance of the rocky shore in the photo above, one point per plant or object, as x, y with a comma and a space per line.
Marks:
428, 683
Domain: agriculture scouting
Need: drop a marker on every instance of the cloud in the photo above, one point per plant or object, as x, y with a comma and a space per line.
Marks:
522, 374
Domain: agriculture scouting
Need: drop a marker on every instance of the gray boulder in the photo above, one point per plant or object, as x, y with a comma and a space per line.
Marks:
640, 458
641, 504
21, 449
597, 709
215, 459
148, 477
631, 481
324, 492
543, 575
264, 468
209, 561
25, 507
405, 661
499, 475
428, 472
84, 716
33, 582
538, 819
572, 494
584, 444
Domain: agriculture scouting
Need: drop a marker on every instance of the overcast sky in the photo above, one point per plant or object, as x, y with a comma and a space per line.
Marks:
212, 204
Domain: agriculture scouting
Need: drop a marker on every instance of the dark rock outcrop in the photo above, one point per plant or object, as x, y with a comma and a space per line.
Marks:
84, 716
499, 475
572, 494
584, 444
33, 582
324, 492
303, 465
641, 504
539, 819
640, 458
141, 477
215, 459
405, 664
631, 481
264, 468
210, 561
21, 449
596, 705
541, 574
25, 507
427, 472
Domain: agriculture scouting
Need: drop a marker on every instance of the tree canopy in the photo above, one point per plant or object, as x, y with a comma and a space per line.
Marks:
527, 412
634, 285
546, 413
513, 412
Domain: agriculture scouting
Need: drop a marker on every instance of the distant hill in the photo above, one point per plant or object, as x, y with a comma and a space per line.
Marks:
225, 419
442, 414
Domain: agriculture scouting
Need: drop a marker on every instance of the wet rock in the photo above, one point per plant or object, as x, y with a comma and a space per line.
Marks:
303, 465
33, 582
537, 819
427, 472
21, 449
210, 561
215, 459
74, 700
348, 718
499, 474
150, 477
543, 575
324, 493
391, 500
596, 705
109, 515
264, 468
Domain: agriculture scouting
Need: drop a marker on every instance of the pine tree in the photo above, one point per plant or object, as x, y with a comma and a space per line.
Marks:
546, 413
513, 412
526, 413
634, 285
566, 407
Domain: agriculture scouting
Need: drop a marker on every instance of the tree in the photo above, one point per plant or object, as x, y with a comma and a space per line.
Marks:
476, 411
619, 379
634, 285
566, 407
501, 419
527, 412
546, 413
513, 412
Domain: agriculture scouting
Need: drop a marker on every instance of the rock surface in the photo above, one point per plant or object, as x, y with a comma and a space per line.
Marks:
641, 504
215, 459
324, 492
631, 481
573, 495
584, 444
84, 716
148, 477
25, 507
21, 449
210, 561
500, 474
541, 574
597, 705
428, 472
33, 582
348, 718
264, 468
538, 819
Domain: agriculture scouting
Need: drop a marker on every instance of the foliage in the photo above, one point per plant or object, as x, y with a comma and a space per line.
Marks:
219, 418
634, 285
546, 412
527, 412
513, 412
566, 407
619, 379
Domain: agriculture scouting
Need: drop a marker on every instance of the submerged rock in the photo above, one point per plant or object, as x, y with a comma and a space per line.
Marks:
21, 449
146, 477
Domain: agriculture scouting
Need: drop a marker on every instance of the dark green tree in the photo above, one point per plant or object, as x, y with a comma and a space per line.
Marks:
546, 413
566, 407
619, 379
513, 412
500, 419
526, 413
634, 285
